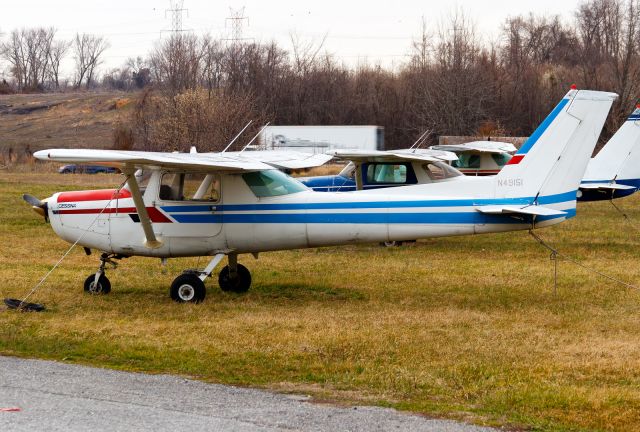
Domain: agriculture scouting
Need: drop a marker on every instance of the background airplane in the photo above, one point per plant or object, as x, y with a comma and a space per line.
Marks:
479, 158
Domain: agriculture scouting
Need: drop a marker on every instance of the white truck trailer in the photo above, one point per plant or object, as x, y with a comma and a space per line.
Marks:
320, 139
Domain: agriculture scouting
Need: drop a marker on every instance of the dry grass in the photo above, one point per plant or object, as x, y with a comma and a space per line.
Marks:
463, 327
83, 120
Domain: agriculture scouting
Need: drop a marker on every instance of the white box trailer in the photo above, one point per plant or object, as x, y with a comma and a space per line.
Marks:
320, 139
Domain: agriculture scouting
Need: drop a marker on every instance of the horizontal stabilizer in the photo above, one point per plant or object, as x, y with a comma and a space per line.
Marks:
605, 186
532, 210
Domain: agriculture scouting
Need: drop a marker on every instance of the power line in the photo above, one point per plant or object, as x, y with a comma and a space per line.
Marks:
237, 20
176, 9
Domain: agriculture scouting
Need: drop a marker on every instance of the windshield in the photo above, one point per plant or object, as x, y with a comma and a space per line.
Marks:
440, 171
272, 183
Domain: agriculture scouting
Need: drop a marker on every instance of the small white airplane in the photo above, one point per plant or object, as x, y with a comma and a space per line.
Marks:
373, 169
478, 158
220, 205
615, 171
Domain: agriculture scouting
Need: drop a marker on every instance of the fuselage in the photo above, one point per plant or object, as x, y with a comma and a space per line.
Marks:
246, 215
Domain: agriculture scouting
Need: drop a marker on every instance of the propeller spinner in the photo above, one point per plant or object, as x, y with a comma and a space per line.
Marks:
40, 207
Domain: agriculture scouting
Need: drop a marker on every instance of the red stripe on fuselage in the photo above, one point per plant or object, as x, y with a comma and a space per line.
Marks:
93, 195
155, 215
515, 159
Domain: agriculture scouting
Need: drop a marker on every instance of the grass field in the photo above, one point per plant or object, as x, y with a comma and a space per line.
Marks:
466, 328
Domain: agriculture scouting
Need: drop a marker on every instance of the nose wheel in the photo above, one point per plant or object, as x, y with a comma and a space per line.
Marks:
98, 283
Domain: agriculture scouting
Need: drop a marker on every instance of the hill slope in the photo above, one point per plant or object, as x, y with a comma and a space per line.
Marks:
80, 120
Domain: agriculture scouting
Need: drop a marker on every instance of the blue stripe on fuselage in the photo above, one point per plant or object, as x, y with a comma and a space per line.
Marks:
550, 199
473, 217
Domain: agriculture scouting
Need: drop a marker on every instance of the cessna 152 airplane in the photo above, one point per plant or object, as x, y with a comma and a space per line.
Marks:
219, 205
373, 169
615, 171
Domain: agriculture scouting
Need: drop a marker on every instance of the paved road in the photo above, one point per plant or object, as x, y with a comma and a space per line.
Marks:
61, 397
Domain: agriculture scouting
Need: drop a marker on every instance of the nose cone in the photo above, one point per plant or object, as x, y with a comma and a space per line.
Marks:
39, 206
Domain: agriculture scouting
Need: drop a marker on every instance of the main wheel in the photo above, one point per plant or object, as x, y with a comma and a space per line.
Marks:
392, 243
102, 287
238, 284
187, 288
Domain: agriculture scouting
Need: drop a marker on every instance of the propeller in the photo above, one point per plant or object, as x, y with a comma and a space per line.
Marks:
40, 207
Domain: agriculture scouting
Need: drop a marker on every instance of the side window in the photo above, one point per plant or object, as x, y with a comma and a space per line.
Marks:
190, 187
466, 160
386, 173
500, 159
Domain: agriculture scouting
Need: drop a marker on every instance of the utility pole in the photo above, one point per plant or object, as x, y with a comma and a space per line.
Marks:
237, 20
176, 9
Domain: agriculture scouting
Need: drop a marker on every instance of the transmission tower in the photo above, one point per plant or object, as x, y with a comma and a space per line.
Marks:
176, 9
237, 20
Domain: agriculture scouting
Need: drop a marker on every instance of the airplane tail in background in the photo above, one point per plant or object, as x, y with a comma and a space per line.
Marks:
553, 160
619, 159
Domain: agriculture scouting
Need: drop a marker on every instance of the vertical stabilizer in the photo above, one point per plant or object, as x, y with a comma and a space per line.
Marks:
619, 159
554, 158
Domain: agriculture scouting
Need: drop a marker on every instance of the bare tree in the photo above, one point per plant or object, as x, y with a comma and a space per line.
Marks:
28, 53
88, 50
56, 54
176, 62
609, 33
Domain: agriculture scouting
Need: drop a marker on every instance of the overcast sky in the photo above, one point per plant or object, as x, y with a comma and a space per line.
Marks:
373, 31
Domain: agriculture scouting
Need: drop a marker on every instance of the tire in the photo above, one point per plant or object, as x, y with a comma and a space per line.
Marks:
187, 288
392, 243
103, 285
239, 284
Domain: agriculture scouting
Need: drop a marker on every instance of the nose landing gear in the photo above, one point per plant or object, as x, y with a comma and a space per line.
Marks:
98, 283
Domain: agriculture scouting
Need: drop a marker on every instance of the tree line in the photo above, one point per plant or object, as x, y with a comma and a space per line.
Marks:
201, 91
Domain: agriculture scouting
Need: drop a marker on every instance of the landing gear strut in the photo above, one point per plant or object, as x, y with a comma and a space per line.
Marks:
189, 286
98, 283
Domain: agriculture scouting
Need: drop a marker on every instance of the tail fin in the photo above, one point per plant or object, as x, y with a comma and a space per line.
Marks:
620, 157
554, 158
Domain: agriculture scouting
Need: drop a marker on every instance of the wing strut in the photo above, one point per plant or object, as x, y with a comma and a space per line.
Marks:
152, 242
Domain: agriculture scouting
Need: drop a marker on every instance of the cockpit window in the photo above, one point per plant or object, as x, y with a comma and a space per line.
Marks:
272, 183
386, 173
467, 160
348, 171
440, 171
190, 187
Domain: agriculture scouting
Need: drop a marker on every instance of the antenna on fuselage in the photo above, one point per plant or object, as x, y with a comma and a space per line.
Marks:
254, 138
421, 140
236, 137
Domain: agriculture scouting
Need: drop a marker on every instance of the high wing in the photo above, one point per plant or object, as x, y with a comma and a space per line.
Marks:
394, 155
479, 146
282, 159
530, 210
138, 159
605, 186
